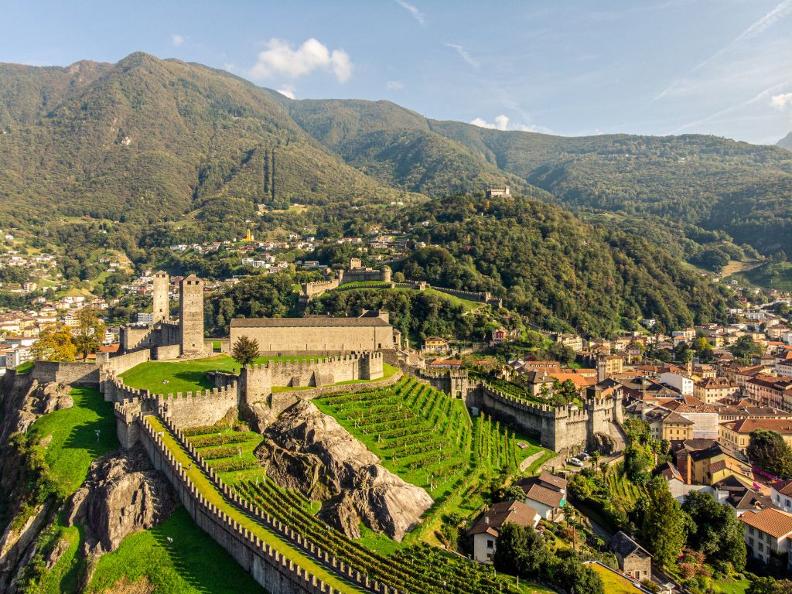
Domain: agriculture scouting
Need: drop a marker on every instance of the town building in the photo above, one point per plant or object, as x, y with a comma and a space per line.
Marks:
486, 530
634, 560
712, 389
737, 434
767, 533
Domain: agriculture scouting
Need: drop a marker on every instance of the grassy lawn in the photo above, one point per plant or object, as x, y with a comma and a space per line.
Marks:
74, 442
731, 585
191, 563
614, 583
170, 377
467, 304
212, 495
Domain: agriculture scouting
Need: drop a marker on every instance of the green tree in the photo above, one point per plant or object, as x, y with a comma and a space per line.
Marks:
662, 525
745, 348
55, 343
520, 551
573, 576
769, 451
769, 585
89, 333
715, 530
245, 350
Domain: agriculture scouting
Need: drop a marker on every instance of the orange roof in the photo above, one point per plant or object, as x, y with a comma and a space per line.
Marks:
580, 381
782, 426
109, 348
770, 521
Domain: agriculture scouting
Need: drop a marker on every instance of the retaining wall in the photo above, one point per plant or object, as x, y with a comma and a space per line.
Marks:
167, 352
77, 374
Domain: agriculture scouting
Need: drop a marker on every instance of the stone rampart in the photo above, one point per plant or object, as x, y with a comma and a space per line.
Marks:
274, 571
258, 380
76, 374
166, 352
560, 428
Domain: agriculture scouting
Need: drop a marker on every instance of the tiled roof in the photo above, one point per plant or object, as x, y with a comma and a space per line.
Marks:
770, 521
785, 489
505, 512
782, 426
544, 495
553, 480
626, 546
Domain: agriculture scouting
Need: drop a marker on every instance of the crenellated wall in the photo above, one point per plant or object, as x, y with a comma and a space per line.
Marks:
560, 428
258, 380
275, 572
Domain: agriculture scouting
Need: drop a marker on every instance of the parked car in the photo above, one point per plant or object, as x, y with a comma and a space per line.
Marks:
575, 462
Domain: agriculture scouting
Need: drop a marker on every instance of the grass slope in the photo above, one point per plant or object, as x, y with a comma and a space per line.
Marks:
191, 563
78, 435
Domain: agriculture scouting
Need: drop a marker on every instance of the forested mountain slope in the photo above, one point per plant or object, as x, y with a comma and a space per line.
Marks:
147, 140
712, 183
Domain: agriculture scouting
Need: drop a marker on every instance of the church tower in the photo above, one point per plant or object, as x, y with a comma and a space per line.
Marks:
160, 306
191, 316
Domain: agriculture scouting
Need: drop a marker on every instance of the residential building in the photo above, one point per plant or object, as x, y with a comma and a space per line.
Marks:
486, 530
681, 382
767, 533
435, 345
634, 560
737, 434
546, 494
706, 462
715, 388
781, 495
772, 390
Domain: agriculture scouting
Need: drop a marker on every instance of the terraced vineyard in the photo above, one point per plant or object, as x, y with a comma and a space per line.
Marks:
414, 569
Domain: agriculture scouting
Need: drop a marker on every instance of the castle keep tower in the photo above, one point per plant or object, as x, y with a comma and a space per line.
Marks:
160, 306
191, 316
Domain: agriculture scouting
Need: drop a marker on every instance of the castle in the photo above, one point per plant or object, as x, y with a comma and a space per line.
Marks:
173, 339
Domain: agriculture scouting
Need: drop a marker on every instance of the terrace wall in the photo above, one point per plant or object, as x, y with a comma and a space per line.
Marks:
273, 571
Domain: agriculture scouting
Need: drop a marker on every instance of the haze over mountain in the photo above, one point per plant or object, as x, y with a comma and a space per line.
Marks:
786, 141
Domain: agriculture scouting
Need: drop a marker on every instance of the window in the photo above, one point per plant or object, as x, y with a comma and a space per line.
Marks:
489, 544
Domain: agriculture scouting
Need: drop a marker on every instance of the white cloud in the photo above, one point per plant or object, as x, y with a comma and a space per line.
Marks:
280, 58
287, 91
501, 122
177, 40
781, 101
413, 10
394, 85
464, 54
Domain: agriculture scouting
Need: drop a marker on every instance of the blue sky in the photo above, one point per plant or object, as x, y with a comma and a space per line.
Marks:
568, 67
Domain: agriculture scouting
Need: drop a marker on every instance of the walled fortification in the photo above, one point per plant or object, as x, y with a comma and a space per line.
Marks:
560, 428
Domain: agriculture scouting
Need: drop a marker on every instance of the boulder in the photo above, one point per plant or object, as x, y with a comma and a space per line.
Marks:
307, 450
122, 494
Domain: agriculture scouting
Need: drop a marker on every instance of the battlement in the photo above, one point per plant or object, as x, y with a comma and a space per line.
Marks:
313, 361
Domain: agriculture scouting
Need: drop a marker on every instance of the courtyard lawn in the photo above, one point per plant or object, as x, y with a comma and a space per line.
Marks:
77, 436
170, 377
731, 585
190, 562
613, 582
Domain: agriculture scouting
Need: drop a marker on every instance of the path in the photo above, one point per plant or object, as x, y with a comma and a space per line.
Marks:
525, 464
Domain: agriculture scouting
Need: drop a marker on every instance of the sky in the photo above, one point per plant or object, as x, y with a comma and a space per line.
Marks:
566, 67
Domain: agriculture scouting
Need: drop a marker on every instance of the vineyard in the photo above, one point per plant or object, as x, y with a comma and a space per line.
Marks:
417, 568
429, 439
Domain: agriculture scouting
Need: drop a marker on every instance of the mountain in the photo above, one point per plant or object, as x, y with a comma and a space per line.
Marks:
147, 140
786, 142
556, 269
710, 183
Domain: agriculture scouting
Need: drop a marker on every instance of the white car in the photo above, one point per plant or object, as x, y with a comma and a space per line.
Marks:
575, 462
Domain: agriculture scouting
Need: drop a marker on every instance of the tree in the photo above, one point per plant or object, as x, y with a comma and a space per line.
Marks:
768, 585
573, 576
769, 451
55, 344
520, 551
715, 530
245, 350
89, 333
745, 348
662, 525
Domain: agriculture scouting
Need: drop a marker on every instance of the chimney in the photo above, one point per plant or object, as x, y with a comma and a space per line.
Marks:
486, 520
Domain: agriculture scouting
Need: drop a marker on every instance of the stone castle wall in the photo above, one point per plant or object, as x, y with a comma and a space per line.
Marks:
356, 275
78, 374
560, 428
273, 571
317, 339
258, 380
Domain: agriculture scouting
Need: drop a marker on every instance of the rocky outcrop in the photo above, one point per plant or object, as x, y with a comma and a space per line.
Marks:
307, 450
25, 400
123, 494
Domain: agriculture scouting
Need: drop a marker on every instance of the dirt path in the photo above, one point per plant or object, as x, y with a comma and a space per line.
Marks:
525, 464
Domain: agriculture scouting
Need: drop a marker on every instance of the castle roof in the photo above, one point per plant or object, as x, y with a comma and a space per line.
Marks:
310, 322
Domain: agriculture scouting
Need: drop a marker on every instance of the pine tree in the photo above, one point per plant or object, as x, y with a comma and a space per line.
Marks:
245, 350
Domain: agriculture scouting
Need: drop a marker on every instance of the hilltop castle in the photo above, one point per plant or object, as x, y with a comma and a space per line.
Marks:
320, 335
